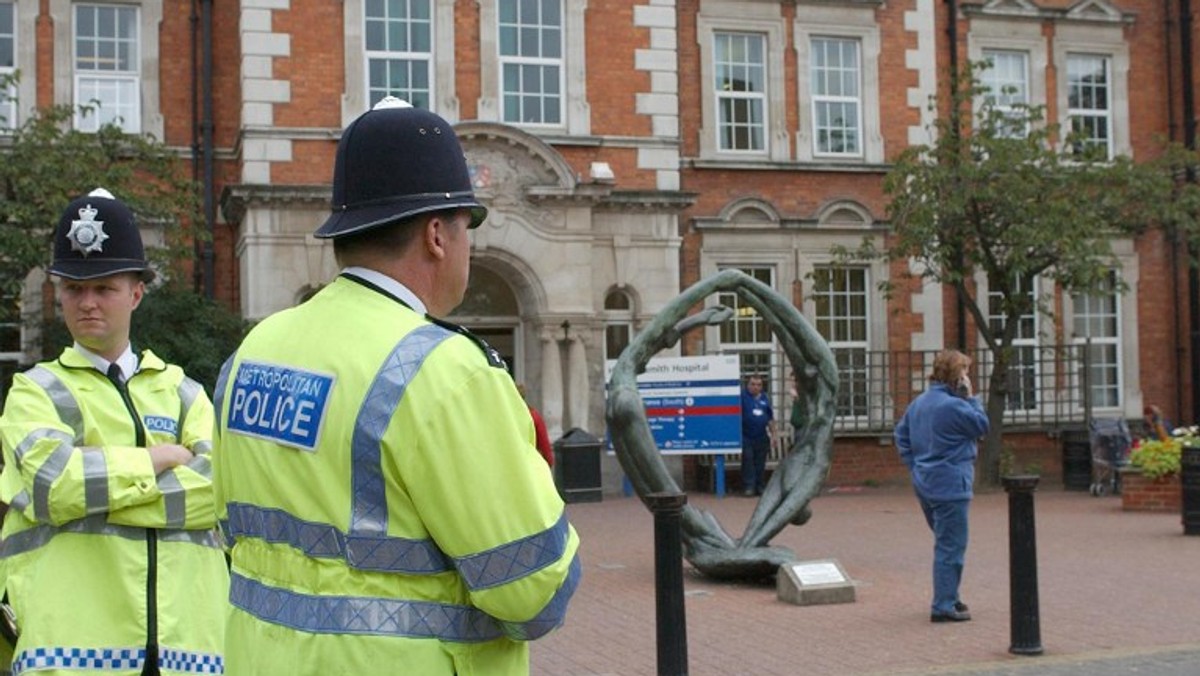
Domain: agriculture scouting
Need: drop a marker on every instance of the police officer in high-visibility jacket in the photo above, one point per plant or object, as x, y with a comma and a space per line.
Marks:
389, 511
110, 556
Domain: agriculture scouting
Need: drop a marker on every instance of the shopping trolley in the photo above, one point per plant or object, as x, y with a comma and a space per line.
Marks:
1111, 441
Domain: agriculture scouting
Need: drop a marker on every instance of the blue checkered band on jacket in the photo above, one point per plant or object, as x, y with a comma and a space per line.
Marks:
115, 659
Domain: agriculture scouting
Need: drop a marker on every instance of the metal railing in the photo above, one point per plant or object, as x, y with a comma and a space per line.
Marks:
1048, 389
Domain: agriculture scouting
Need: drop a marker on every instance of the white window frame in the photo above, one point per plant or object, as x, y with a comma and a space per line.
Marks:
1002, 75
618, 318
853, 376
1022, 341
389, 56
549, 70
822, 99
8, 106
62, 13
990, 34
1077, 112
727, 16
574, 110
115, 93
1127, 266
25, 59
442, 99
755, 126
1081, 306
840, 21
1097, 40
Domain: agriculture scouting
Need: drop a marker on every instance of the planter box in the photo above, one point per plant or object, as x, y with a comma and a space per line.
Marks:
1139, 494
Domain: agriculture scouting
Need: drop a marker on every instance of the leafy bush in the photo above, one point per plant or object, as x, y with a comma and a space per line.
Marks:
1157, 458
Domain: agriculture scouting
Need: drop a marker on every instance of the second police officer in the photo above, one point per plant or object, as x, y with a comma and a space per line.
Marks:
389, 511
110, 558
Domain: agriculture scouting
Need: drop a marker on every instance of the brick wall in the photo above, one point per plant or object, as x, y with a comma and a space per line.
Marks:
1140, 494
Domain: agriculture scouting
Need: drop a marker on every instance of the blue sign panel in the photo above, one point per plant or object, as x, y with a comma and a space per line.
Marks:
282, 404
693, 404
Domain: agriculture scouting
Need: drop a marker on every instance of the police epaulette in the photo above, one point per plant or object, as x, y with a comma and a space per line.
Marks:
493, 356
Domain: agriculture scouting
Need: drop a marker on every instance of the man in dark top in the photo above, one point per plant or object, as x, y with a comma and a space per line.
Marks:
758, 427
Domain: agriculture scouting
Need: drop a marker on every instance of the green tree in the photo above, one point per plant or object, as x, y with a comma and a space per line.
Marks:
46, 163
1007, 196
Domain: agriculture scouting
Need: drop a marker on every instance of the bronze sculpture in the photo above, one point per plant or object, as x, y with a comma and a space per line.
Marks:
797, 478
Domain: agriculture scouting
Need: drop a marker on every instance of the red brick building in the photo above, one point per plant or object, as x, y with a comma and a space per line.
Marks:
627, 148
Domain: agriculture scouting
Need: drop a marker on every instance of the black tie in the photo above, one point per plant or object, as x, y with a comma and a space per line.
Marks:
114, 373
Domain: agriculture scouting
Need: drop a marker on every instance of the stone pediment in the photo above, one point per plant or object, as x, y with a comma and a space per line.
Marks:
507, 164
1094, 10
1011, 7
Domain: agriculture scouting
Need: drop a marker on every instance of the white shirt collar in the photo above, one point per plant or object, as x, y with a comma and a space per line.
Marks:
128, 361
388, 284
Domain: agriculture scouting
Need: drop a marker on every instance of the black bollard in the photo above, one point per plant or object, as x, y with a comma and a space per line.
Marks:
1189, 480
668, 582
1022, 566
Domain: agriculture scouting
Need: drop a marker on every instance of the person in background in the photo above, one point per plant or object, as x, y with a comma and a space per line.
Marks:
539, 429
375, 464
1157, 427
936, 439
758, 430
110, 558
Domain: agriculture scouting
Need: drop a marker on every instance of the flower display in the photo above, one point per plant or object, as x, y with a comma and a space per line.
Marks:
1162, 458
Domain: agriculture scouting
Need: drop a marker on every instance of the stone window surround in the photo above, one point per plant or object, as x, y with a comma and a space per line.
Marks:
443, 99
26, 15
1127, 266
576, 114
849, 22
62, 14
793, 250
1105, 39
741, 17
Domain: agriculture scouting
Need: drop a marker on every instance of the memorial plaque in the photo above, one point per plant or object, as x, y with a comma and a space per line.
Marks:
809, 583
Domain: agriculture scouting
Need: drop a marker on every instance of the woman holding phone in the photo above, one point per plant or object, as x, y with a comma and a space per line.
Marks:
937, 442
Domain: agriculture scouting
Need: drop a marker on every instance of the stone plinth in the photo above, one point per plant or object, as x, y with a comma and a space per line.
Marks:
810, 583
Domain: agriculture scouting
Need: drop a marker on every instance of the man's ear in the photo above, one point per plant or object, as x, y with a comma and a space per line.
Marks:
139, 291
435, 236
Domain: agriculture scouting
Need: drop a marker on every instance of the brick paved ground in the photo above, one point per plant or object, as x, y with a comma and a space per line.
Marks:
1119, 593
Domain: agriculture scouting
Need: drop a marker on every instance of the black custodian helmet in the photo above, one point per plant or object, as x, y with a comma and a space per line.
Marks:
97, 235
396, 161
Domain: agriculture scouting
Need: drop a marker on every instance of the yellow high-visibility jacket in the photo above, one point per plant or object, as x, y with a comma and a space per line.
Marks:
389, 508
106, 565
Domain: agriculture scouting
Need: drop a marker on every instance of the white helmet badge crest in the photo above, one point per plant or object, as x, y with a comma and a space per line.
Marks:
87, 234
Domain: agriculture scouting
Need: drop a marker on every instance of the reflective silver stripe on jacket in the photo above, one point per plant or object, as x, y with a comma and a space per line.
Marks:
318, 540
361, 614
219, 391
516, 559
188, 391
38, 536
369, 547
64, 402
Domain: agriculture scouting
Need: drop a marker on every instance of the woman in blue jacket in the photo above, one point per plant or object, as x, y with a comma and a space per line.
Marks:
936, 438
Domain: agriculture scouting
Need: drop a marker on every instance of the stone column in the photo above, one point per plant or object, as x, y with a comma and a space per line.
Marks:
552, 389
578, 389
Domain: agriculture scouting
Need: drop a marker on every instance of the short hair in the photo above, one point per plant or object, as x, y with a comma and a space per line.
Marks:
948, 366
395, 236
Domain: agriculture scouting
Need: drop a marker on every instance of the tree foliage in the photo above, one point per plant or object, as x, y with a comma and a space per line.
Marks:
46, 163
1005, 196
